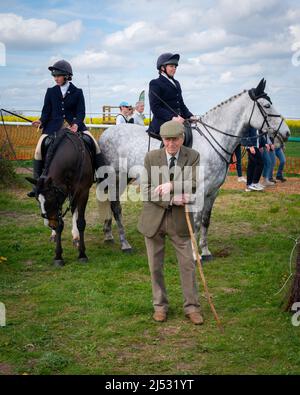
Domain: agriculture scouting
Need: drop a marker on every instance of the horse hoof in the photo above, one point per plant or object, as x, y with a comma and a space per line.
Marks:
127, 250
109, 241
83, 260
206, 258
59, 262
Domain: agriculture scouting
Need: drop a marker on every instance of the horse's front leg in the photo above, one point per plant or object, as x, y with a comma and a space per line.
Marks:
81, 223
107, 229
117, 212
58, 260
53, 236
75, 231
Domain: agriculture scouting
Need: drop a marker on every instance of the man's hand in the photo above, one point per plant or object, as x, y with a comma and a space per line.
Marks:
36, 124
178, 119
272, 147
164, 189
181, 200
73, 128
268, 147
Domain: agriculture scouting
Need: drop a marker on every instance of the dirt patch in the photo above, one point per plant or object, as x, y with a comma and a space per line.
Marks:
9, 214
223, 253
230, 290
6, 369
292, 185
23, 170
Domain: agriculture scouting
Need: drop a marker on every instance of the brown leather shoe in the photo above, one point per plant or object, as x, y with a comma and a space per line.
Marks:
196, 318
160, 316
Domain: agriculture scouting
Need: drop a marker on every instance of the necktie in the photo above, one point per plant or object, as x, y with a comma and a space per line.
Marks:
171, 167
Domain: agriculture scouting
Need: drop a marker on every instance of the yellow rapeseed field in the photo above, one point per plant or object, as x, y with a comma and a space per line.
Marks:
294, 124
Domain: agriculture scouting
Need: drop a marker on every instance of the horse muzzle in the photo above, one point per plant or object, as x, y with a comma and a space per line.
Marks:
52, 223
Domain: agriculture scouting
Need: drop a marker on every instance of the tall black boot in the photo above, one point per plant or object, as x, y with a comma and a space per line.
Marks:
37, 172
99, 162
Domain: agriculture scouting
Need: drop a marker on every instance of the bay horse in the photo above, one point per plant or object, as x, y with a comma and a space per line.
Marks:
215, 137
68, 173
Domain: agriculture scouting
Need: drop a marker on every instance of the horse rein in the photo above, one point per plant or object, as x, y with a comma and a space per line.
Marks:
265, 121
264, 114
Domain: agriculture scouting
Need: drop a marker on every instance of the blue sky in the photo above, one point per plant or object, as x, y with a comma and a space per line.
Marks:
225, 46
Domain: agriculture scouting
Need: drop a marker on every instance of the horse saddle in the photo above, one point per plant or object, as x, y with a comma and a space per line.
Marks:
89, 143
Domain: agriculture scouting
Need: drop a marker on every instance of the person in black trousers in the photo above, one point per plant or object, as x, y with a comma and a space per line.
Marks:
254, 144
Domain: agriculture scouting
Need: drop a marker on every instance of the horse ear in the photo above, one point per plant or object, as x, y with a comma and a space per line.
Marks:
260, 87
265, 84
31, 180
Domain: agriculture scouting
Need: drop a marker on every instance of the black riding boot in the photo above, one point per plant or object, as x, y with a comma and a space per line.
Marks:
37, 172
99, 162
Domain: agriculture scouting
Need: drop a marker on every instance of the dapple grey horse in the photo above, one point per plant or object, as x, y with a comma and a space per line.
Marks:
228, 123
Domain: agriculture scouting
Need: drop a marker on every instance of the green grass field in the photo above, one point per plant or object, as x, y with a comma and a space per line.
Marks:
96, 319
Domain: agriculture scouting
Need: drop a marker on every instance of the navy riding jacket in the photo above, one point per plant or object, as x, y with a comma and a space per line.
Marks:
57, 108
162, 90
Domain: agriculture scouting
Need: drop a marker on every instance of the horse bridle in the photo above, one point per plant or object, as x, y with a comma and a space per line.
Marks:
60, 197
265, 116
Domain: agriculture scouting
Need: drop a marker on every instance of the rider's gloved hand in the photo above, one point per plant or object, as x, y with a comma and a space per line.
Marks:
178, 119
73, 128
37, 123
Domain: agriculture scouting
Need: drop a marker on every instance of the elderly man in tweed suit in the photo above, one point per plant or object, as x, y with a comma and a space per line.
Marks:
169, 179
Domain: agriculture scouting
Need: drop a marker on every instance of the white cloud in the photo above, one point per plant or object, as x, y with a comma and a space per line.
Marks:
261, 50
226, 77
20, 33
295, 33
166, 37
225, 47
93, 60
245, 8
138, 35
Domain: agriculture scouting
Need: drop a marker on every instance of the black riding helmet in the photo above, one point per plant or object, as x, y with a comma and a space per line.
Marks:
167, 58
61, 67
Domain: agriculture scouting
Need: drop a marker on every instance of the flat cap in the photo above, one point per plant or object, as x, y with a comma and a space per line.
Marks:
172, 129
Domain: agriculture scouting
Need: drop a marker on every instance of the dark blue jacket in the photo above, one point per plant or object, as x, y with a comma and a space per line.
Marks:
251, 138
56, 109
172, 95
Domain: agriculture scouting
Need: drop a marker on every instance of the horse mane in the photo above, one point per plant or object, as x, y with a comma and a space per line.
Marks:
225, 102
60, 135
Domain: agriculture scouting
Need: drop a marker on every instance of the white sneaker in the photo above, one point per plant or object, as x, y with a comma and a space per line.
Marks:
268, 183
248, 189
257, 187
242, 179
261, 185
